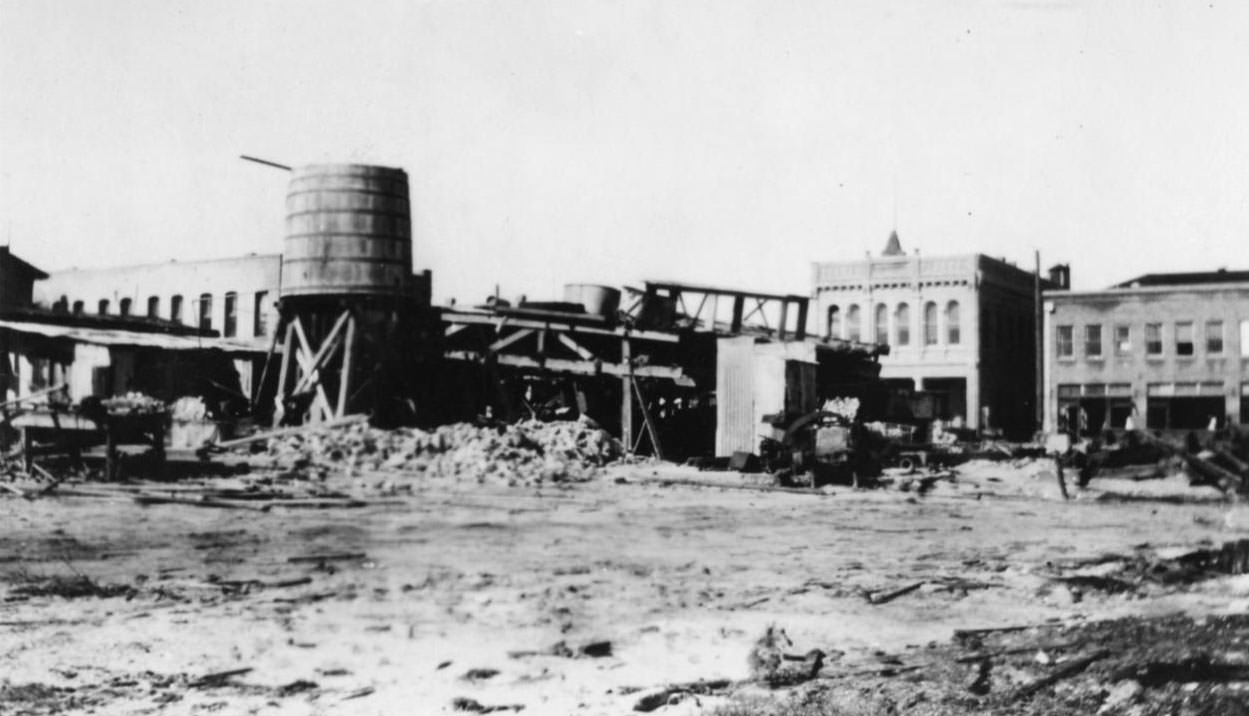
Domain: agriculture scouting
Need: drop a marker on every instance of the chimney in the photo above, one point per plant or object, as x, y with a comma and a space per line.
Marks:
1060, 276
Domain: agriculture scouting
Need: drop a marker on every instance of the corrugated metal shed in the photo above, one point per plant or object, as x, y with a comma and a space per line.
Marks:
117, 337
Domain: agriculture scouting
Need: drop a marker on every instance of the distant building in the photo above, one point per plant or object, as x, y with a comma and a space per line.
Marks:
960, 329
17, 279
1170, 351
236, 297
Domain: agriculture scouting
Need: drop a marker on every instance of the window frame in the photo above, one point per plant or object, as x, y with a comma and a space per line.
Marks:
1155, 347
902, 324
1211, 348
1188, 348
1093, 331
1065, 338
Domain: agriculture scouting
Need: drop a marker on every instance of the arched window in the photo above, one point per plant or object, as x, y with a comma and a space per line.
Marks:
881, 319
175, 308
834, 322
951, 323
62, 304
854, 323
102, 307
902, 323
153, 306
930, 323
230, 323
78, 308
123, 308
206, 311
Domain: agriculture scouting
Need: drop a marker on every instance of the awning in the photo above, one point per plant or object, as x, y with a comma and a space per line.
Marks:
117, 337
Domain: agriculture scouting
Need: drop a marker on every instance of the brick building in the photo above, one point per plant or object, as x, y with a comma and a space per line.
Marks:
959, 328
1169, 350
237, 297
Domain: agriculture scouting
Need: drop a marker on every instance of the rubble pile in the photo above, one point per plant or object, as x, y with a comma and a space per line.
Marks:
527, 453
133, 403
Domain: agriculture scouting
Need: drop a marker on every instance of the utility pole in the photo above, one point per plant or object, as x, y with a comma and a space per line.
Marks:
1039, 340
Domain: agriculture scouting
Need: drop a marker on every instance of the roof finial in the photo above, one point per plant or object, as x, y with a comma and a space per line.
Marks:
893, 247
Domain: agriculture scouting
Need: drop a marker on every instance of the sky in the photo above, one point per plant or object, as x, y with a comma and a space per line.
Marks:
728, 142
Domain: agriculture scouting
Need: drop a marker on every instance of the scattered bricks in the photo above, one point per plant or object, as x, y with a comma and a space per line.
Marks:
527, 453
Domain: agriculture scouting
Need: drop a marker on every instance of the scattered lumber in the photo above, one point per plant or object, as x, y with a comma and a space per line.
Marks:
1069, 669
217, 678
333, 557
878, 598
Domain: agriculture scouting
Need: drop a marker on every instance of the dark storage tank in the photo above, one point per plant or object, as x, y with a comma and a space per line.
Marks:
348, 232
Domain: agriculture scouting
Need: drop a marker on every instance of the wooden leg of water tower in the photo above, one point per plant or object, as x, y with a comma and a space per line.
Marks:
626, 396
321, 410
344, 379
279, 395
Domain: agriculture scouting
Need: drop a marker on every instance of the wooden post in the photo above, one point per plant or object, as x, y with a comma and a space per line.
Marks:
344, 379
284, 372
739, 303
626, 395
780, 329
801, 331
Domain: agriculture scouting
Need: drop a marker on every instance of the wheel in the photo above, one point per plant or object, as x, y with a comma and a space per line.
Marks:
907, 463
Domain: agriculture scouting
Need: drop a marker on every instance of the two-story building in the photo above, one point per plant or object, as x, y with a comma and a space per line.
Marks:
1168, 351
959, 328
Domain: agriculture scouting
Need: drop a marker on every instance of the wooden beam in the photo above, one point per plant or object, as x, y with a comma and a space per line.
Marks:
321, 401
575, 367
284, 373
349, 349
576, 347
484, 319
650, 424
626, 395
327, 346
509, 340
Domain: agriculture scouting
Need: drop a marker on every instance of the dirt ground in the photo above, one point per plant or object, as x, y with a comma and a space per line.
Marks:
582, 599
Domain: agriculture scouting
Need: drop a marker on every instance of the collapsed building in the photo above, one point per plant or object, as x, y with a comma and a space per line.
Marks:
676, 370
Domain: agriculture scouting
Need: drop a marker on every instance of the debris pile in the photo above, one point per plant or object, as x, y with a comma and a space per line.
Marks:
527, 453
133, 403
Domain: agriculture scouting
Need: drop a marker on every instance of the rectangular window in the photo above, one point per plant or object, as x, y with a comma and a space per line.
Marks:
230, 324
1093, 340
1123, 340
1153, 339
1064, 342
260, 321
1184, 338
1214, 337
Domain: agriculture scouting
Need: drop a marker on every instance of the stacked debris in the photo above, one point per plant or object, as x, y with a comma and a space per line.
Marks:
133, 403
527, 453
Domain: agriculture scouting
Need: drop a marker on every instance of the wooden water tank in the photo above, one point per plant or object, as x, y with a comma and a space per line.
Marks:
598, 300
348, 232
